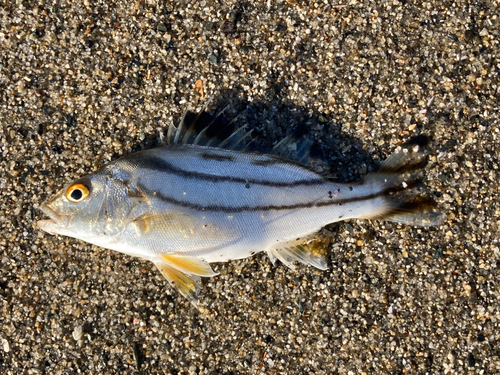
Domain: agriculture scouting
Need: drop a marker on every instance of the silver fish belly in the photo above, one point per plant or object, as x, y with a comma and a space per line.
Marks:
184, 206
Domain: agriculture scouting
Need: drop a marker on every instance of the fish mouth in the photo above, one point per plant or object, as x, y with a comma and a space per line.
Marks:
56, 221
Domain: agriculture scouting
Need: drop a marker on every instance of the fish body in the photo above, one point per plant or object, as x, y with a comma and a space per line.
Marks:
184, 206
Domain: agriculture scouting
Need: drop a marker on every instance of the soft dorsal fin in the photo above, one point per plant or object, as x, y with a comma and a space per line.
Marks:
299, 147
295, 146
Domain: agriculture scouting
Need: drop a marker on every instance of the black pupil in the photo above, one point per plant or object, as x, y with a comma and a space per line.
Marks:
76, 194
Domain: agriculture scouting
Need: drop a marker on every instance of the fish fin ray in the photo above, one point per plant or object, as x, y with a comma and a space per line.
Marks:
283, 255
411, 157
399, 174
187, 285
272, 257
299, 146
188, 265
205, 129
184, 273
419, 211
310, 250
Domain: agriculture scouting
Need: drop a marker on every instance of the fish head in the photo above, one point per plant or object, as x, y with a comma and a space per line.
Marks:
78, 209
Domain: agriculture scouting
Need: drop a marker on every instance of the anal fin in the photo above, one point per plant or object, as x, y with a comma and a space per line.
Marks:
309, 250
183, 273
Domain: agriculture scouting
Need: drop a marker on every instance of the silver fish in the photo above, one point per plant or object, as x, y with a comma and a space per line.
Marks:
187, 204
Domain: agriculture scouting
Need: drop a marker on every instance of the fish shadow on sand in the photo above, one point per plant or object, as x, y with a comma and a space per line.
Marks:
272, 120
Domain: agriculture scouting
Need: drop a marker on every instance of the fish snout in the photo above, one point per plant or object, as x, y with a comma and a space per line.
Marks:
56, 222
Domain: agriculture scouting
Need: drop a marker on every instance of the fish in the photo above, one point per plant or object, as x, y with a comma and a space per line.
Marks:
204, 196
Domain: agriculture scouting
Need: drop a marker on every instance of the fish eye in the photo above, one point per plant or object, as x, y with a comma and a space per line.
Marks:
77, 193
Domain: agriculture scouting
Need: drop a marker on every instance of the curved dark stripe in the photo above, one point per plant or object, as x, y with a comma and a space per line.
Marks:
217, 157
228, 209
158, 164
266, 162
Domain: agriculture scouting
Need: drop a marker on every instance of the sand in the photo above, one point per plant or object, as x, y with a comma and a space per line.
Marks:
85, 82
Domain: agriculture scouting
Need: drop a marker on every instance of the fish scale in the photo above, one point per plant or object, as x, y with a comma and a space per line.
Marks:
184, 206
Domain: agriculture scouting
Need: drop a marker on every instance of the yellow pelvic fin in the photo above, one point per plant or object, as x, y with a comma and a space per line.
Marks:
184, 273
308, 250
187, 285
191, 266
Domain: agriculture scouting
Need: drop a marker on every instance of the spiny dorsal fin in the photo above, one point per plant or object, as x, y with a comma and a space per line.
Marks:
205, 129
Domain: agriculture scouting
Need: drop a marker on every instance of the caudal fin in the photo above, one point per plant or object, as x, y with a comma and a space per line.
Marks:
421, 211
402, 174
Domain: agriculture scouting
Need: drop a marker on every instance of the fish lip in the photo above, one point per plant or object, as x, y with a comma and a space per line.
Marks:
55, 218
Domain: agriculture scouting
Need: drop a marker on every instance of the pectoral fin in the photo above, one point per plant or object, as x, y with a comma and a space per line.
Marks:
309, 250
184, 273
161, 222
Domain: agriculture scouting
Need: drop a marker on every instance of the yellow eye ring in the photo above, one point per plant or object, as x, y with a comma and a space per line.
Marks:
77, 193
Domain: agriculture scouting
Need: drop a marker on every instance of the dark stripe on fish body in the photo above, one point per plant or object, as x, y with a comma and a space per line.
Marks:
218, 157
265, 162
160, 165
228, 209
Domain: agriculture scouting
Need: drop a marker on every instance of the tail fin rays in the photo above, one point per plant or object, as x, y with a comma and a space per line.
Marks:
411, 157
420, 211
400, 173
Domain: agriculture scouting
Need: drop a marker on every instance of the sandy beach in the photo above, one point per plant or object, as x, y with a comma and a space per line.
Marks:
84, 82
